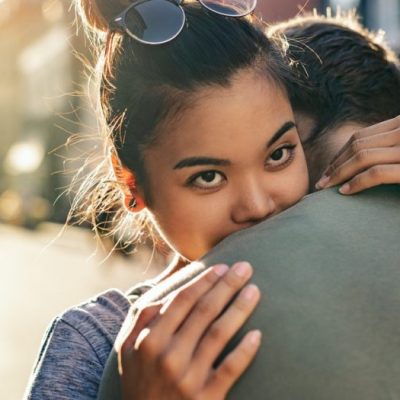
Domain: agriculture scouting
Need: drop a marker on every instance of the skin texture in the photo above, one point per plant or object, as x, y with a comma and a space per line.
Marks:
256, 181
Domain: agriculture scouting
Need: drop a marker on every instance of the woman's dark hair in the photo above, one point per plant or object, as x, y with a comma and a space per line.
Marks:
143, 87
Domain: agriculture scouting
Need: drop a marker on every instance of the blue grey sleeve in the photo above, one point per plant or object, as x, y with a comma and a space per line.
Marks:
75, 349
67, 368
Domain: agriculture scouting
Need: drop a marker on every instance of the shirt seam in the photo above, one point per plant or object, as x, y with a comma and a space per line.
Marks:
83, 336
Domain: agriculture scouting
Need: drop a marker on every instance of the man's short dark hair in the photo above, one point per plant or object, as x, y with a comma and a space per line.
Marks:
343, 72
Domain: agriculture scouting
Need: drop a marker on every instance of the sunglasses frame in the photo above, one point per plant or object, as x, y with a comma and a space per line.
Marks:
119, 22
226, 14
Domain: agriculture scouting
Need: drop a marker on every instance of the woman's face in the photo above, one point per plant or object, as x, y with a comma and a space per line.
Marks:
229, 162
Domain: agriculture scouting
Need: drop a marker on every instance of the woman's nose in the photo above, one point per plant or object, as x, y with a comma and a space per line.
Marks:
254, 204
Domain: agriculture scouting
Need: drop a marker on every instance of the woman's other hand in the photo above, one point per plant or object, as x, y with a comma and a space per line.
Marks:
170, 350
370, 158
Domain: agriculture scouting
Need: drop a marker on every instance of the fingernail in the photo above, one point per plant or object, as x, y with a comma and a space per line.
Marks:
345, 188
221, 269
242, 269
322, 182
254, 338
250, 292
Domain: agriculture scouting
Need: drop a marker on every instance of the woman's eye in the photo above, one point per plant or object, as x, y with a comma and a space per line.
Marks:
207, 180
281, 157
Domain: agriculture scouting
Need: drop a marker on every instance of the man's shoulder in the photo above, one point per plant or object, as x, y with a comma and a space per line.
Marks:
380, 198
327, 210
324, 227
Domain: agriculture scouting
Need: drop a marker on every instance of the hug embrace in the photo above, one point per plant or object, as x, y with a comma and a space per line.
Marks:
217, 131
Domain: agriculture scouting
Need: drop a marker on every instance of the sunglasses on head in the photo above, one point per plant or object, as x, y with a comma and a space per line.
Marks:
160, 21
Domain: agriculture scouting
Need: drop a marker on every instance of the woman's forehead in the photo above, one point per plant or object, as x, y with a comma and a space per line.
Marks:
248, 113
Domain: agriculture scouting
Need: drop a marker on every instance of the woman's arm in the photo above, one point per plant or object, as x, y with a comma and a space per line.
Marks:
370, 158
75, 349
168, 352
67, 367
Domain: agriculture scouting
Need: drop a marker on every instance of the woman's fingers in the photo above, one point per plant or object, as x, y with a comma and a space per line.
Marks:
363, 160
369, 132
197, 317
209, 308
235, 363
374, 145
355, 145
374, 176
221, 332
132, 331
206, 310
384, 126
144, 317
177, 308
155, 320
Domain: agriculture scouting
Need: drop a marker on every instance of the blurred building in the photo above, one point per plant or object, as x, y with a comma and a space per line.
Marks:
38, 74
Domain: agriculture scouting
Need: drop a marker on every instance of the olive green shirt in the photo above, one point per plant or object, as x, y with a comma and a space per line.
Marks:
329, 273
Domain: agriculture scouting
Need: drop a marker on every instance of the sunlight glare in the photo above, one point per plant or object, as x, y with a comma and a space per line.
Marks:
24, 157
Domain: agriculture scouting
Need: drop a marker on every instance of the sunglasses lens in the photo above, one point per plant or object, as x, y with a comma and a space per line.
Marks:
230, 8
155, 21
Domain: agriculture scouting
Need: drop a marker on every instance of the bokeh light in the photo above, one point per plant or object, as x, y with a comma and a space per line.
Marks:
24, 157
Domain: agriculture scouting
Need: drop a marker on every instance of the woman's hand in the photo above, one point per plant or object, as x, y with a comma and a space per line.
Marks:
169, 352
370, 158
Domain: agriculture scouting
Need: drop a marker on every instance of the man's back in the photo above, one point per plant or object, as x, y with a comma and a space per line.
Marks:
329, 271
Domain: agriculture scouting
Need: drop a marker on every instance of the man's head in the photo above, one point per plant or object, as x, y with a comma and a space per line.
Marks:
345, 78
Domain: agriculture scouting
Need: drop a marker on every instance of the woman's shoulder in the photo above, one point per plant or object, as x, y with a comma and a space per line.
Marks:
76, 346
104, 312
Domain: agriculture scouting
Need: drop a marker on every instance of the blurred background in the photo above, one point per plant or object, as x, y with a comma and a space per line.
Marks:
44, 270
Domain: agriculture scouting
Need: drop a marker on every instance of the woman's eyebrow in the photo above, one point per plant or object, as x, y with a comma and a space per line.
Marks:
195, 161
280, 132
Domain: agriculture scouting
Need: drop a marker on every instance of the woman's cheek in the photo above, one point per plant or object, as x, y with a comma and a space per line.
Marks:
186, 226
205, 224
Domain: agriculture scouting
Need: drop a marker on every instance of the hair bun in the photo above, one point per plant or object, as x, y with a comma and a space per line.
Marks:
97, 14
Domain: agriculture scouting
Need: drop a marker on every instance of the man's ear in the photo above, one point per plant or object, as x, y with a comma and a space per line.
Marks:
133, 200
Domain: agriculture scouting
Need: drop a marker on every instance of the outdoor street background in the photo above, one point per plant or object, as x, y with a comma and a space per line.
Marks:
37, 283
43, 102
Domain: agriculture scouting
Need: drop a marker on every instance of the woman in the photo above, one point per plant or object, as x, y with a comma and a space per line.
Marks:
205, 149
203, 144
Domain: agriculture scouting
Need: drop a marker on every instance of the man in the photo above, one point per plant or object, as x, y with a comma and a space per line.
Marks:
345, 78
328, 268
